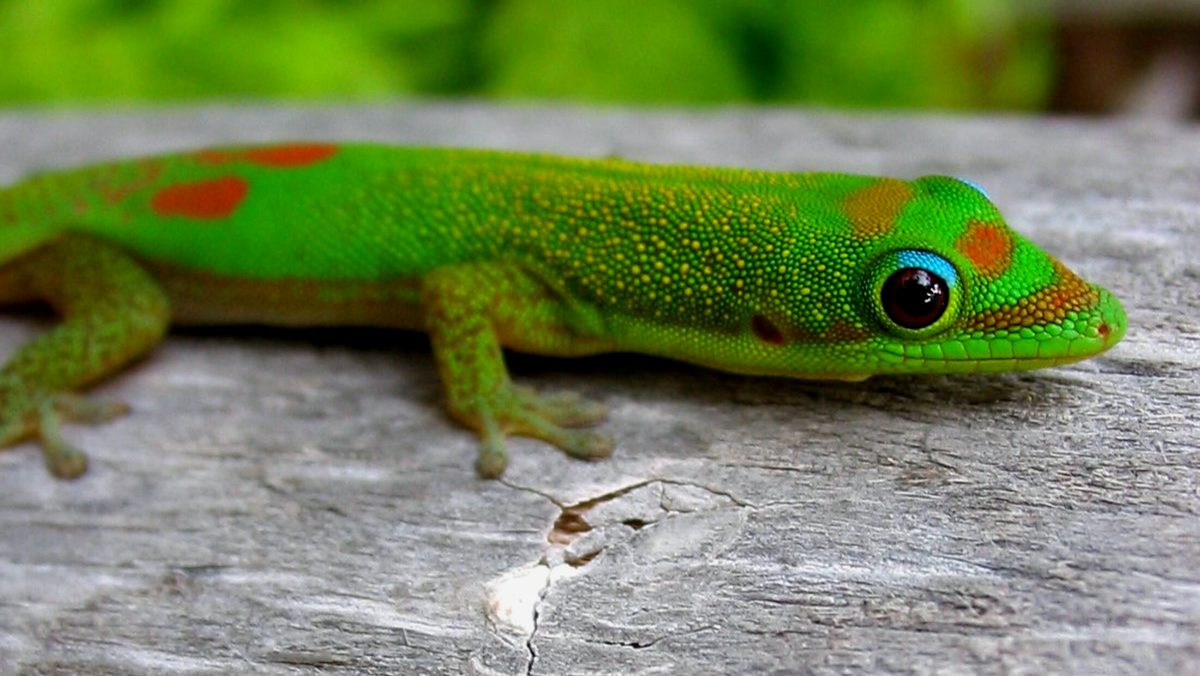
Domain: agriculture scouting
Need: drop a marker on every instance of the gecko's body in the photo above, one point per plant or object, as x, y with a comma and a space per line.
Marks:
802, 275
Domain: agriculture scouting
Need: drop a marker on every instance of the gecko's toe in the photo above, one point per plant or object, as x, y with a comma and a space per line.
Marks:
570, 410
587, 445
493, 458
566, 409
64, 460
78, 408
547, 417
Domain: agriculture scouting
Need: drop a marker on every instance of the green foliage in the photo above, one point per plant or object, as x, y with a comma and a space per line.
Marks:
907, 53
86, 50
934, 53
631, 50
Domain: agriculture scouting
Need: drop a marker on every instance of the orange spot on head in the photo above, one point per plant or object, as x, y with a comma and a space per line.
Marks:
988, 246
204, 200
1103, 330
873, 209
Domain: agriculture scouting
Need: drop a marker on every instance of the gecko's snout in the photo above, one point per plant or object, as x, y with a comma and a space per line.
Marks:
1102, 326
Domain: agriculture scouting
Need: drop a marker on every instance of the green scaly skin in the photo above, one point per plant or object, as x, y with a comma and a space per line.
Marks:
746, 271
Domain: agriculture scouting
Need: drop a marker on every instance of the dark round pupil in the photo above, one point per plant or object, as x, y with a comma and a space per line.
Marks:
914, 298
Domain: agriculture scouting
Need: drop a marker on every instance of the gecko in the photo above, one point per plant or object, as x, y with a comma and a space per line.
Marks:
803, 275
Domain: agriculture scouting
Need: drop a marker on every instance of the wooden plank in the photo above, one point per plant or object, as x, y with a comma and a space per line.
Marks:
294, 503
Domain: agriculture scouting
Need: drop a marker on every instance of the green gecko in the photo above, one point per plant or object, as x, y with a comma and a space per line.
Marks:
808, 275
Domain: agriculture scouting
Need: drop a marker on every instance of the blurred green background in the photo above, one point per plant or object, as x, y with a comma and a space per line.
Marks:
945, 54
894, 53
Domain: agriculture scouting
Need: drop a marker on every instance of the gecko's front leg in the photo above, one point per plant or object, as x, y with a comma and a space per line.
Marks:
471, 310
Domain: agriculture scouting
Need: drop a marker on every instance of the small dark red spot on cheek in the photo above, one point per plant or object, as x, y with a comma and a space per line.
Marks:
1104, 331
204, 200
766, 331
292, 155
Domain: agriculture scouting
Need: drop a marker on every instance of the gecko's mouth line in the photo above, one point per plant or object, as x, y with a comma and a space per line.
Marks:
1101, 347
1020, 360
1030, 361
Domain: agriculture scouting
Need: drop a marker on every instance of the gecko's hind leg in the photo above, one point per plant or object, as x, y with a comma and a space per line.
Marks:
112, 312
470, 310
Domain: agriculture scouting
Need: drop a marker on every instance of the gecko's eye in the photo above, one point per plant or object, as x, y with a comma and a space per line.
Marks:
913, 294
914, 298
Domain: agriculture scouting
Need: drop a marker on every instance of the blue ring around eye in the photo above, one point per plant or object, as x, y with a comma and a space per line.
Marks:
911, 258
978, 188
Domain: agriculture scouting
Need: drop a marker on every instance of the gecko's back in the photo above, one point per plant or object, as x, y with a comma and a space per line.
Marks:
268, 234
353, 212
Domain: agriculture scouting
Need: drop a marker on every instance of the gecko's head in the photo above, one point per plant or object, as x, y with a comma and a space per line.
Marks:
943, 285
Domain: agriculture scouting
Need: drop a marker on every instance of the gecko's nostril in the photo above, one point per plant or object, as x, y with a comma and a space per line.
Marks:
1104, 331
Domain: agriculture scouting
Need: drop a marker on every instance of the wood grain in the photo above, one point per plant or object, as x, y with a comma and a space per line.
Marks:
298, 503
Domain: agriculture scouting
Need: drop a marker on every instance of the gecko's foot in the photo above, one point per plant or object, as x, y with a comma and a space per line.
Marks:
545, 417
566, 409
42, 418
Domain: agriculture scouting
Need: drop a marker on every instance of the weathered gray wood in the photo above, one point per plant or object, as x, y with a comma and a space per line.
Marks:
299, 504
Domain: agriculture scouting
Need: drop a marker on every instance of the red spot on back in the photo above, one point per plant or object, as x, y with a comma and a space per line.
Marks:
988, 247
298, 155
204, 200
292, 155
